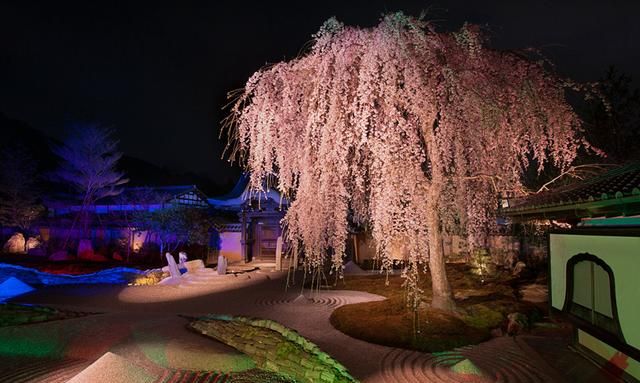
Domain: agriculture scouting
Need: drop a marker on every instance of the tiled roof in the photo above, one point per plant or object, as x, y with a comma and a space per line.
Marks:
150, 194
620, 187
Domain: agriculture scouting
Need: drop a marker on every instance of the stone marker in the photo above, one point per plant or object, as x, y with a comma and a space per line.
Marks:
222, 265
182, 258
173, 268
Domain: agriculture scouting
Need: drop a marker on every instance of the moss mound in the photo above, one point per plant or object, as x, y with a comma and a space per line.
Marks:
482, 307
12, 314
274, 348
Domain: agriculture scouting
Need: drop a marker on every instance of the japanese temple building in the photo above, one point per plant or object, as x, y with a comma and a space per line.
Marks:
248, 224
594, 267
110, 213
253, 237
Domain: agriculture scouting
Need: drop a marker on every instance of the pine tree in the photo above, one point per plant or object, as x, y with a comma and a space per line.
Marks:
88, 165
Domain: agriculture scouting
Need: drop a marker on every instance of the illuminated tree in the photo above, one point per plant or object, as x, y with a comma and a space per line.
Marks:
19, 196
175, 225
89, 158
408, 130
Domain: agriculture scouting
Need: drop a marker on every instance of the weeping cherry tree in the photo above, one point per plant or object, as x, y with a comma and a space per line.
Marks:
407, 130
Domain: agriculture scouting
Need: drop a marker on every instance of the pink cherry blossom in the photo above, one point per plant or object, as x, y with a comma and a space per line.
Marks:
409, 132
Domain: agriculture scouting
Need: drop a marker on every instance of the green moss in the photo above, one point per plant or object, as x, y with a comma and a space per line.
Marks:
483, 306
15, 314
258, 376
482, 317
35, 344
466, 367
275, 348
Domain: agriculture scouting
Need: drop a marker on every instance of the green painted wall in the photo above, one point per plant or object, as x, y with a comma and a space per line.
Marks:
622, 254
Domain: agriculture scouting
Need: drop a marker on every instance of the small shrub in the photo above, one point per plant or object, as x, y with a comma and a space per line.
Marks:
150, 278
481, 316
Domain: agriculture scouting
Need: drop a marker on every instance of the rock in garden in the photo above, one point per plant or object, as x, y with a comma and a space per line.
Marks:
517, 323
15, 244
518, 268
33, 243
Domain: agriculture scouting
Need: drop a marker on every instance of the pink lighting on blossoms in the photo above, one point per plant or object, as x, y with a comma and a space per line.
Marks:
408, 131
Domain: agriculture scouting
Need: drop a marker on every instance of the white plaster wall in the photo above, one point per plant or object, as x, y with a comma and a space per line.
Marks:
230, 246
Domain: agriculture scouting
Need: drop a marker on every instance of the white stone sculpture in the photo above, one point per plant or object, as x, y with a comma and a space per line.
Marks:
173, 268
182, 259
222, 265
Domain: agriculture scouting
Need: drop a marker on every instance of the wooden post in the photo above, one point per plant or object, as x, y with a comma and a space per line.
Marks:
243, 237
279, 253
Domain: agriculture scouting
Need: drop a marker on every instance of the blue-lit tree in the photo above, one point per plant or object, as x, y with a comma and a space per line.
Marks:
88, 165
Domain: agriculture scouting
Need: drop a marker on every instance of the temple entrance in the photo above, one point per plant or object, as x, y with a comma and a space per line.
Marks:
265, 239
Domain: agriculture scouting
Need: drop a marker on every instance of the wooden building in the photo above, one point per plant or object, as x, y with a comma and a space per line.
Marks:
594, 267
254, 237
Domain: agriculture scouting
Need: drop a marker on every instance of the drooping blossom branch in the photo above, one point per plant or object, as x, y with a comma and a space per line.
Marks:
395, 126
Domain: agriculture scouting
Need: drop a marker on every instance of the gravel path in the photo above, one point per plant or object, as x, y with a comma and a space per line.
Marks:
145, 325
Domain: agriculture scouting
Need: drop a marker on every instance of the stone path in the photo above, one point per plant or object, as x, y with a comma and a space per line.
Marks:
261, 295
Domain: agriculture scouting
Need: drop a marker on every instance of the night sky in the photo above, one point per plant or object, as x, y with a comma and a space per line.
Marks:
159, 74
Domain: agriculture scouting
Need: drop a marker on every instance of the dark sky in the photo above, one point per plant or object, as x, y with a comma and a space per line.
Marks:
159, 74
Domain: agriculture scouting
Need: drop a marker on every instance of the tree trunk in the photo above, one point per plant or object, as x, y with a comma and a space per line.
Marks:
26, 240
441, 289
